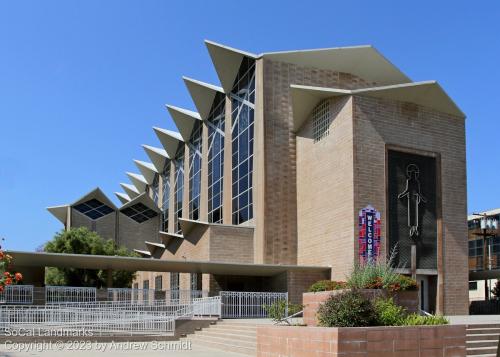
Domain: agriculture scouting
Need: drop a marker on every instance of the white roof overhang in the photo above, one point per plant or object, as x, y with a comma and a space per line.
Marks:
227, 61
145, 200
60, 212
98, 195
187, 225
138, 181
158, 156
89, 261
131, 191
428, 94
169, 139
147, 169
203, 95
123, 197
152, 246
362, 61
184, 120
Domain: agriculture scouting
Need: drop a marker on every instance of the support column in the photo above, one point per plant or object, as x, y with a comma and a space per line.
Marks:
109, 278
204, 174
227, 191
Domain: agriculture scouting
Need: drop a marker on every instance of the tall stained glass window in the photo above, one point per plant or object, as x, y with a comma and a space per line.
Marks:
242, 114
216, 126
165, 203
195, 170
155, 189
179, 187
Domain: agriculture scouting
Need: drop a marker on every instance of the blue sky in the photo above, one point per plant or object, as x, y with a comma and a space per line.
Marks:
83, 82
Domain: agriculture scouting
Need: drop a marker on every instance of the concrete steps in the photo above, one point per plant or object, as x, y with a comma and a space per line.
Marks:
228, 335
482, 339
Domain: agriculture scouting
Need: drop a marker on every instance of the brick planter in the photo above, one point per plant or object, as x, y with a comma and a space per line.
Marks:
405, 341
312, 301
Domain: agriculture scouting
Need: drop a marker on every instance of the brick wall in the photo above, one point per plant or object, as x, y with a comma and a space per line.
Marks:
379, 123
428, 341
104, 226
132, 234
280, 203
325, 192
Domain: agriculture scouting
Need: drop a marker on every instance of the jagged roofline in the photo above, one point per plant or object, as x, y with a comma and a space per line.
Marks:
170, 140
138, 181
158, 156
123, 197
184, 119
147, 169
363, 61
144, 199
131, 191
202, 94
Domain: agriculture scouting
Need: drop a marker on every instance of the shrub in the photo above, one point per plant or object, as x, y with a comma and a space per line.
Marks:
327, 285
278, 310
347, 309
416, 320
388, 313
380, 275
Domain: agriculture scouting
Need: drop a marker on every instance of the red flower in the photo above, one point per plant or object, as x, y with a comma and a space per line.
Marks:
8, 281
6, 274
1, 288
19, 276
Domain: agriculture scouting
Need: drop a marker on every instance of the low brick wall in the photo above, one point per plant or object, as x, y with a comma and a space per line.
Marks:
312, 301
404, 341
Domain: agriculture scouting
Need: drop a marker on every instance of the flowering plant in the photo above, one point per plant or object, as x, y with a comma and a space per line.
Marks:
6, 277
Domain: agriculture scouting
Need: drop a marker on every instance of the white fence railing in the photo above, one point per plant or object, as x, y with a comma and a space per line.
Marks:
238, 304
127, 294
106, 318
65, 294
17, 294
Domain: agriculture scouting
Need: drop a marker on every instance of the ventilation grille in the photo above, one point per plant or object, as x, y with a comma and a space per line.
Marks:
321, 120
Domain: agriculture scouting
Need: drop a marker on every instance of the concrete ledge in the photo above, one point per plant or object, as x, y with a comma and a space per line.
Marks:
282, 341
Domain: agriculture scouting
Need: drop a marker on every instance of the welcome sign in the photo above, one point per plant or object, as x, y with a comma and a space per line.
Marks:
369, 234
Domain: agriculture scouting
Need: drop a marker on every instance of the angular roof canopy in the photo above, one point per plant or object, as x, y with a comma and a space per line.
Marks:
428, 94
184, 120
169, 139
123, 197
147, 169
362, 61
98, 195
131, 191
152, 246
227, 61
138, 180
187, 225
60, 212
203, 95
145, 200
144, 253
159, 157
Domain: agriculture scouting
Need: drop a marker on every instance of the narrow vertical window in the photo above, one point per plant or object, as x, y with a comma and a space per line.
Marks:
195, 171
242, 114
155, 189
165, 203
216, 127
179, 187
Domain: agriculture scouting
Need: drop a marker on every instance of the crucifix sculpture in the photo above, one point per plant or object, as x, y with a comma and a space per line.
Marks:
413, 198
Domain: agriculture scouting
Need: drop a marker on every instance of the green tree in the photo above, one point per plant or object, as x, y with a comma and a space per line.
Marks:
83, 241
